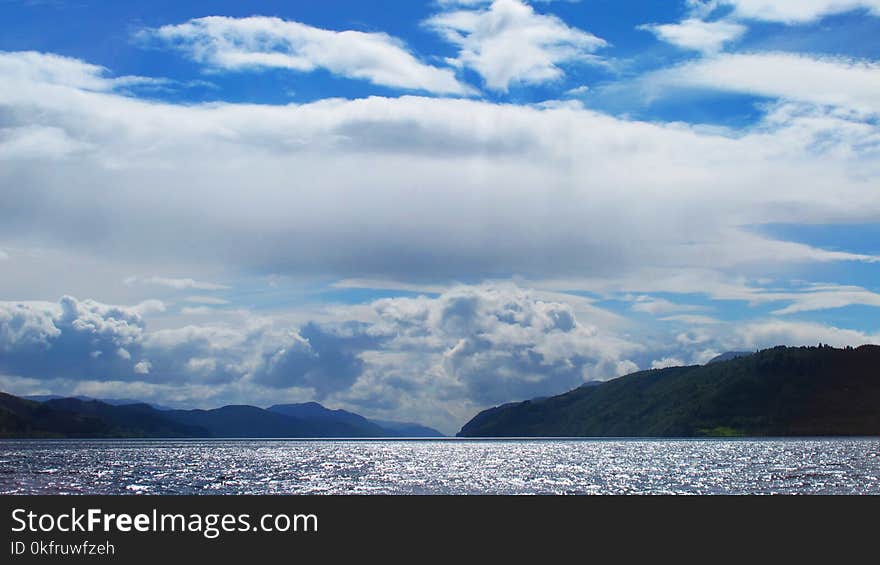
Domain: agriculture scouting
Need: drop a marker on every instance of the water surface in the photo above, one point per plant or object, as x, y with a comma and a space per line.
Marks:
551, 466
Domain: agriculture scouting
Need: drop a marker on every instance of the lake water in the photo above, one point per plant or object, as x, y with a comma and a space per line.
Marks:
821, 466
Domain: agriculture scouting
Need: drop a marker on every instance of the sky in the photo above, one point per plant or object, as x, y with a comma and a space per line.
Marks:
418, 210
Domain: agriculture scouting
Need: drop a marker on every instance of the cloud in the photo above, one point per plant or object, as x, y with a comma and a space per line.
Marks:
696, 34
691, 319
177, 284
508, 43
667, 362
847, 83
257, 42
48, 68
577, 91
824, 297
211, 300
502, 342
767, 333
470, 347
434, 359
78, 339
322, 359
466, 190
701, 344
788, 11
652, 305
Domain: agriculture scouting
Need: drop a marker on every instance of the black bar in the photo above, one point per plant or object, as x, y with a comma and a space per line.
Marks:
460, 529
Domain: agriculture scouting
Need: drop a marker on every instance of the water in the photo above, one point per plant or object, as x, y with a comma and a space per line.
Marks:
818, 466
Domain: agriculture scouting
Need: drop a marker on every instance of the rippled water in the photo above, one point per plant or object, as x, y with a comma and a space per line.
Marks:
827, 466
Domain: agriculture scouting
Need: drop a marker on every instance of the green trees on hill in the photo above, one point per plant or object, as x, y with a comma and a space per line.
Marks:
783, 391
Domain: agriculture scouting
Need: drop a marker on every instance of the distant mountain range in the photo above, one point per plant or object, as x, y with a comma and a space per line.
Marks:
783, 391
84, 417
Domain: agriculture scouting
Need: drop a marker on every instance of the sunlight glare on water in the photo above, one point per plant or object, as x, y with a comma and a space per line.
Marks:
809, 466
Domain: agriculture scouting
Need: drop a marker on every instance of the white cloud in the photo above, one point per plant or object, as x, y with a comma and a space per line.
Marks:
828, 296
696, 34
508, 42
667, 362
789, 11
692, 319
846, 83
768, 333
262, 42
652, 305
196, 310
211, 300
434, 359
175, 283
544, 192
578, 90
48, 68
797, 296
443, 357
27, 142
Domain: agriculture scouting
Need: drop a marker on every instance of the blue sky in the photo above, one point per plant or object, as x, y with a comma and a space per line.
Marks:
416, 210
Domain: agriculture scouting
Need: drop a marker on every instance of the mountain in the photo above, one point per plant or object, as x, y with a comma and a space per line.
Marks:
85, 418
783, 391
250, 421
71, 417
111, 401
368, 428
360, 426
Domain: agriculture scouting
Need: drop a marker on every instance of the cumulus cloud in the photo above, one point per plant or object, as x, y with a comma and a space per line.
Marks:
258, 42
436, 359
78, 339
697, 34
468, 348
507, 42
322, 359
706, 340
502, 342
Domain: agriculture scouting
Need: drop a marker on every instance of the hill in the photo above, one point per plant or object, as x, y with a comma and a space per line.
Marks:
783, 391
250, 421
407, 429
357, 425
112, 401
88, 418
71, 417
364, 427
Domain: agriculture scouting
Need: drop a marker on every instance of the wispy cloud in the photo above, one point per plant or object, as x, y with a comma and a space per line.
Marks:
848, 83
787, 11
696, 34
257, 42
175, 283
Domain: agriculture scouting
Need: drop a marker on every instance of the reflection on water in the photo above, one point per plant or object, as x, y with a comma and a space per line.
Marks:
827, 466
